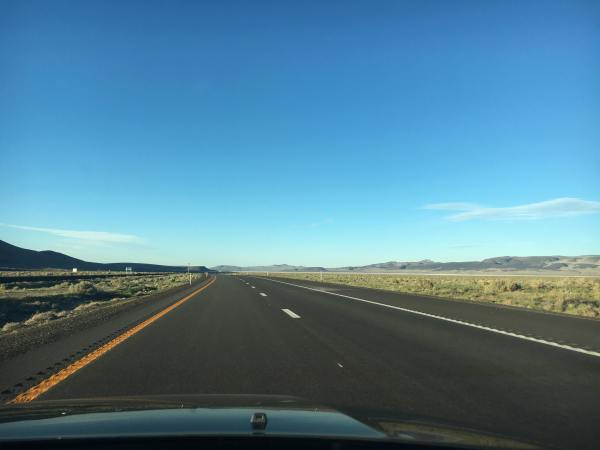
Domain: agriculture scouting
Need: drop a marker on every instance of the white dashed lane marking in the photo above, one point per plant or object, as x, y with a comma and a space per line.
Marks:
291, 313
455, 321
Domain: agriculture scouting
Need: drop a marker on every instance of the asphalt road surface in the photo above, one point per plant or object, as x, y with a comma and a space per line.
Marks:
524, 374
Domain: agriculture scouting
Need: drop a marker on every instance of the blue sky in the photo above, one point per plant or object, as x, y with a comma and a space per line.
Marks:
317, 133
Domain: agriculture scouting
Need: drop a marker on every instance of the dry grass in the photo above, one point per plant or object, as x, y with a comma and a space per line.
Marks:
25, 303
579, 296
57, 272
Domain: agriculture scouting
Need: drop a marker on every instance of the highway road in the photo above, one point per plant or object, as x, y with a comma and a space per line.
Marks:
524, 374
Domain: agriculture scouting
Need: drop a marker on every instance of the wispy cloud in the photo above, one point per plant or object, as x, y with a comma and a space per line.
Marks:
558, 207
453, 206
92, 236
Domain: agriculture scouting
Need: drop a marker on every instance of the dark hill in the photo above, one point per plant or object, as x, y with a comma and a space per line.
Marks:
13, 257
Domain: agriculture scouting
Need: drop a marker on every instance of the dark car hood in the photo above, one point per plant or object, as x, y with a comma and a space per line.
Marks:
219, 415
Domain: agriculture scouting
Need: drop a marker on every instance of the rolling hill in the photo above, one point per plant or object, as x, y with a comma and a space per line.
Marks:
573, 265
13, 257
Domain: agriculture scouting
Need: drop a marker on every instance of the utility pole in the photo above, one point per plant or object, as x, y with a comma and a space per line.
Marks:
190, 274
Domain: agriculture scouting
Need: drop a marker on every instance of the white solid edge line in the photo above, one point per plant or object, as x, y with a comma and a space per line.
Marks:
263, 294
291, 313
447, 319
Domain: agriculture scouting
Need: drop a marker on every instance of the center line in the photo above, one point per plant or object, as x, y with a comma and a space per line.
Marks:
291, 313
263, 294
339, 365
253, 287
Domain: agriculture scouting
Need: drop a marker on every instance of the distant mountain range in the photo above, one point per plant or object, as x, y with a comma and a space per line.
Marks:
13, 257
584, 265
272, 268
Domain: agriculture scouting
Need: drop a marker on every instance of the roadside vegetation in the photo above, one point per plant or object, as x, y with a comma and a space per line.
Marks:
55, 272
570, 295
27, 303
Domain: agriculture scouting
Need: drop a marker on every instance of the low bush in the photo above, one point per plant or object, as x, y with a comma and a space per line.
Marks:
83, 288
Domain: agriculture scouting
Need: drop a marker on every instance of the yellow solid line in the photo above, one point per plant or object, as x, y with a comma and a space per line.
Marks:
37, 390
